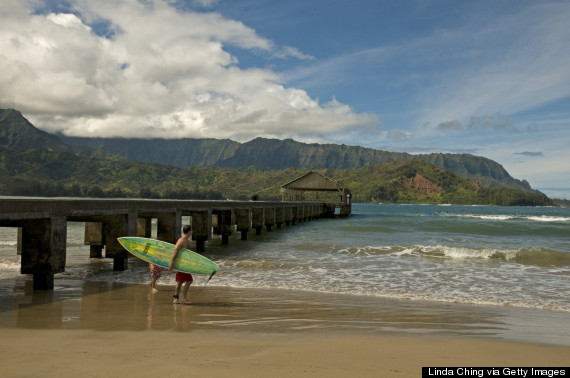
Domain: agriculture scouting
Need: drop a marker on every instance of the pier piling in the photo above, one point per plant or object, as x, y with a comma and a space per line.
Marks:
243, 221
42, 225
43, 250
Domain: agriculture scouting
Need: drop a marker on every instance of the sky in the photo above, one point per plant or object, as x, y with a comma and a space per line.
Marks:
486, 77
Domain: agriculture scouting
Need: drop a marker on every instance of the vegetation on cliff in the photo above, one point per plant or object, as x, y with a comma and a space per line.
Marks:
51, 173
36, 163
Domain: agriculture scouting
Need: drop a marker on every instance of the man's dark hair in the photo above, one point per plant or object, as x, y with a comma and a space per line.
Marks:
186, 229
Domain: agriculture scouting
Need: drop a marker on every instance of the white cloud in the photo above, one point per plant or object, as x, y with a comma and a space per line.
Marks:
489, 63
288, 51
396, 134
160, 73
450, 126
205, 3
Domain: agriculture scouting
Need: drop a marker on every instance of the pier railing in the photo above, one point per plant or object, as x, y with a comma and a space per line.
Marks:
42, 225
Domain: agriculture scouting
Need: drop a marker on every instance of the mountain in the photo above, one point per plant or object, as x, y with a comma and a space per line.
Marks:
264, 153
417, 181
281, 154
35, 163
484, 171
49, 173
180, 153
17, 133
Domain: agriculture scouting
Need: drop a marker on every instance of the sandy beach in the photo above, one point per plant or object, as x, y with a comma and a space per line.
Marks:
86, 353
110, 330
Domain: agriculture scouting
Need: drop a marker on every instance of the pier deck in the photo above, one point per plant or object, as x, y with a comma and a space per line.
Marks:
42, 224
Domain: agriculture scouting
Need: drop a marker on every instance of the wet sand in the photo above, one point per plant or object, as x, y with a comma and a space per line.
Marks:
81, 353
106, 329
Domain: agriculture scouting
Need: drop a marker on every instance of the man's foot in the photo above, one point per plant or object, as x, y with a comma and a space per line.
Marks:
154, 290
181, 301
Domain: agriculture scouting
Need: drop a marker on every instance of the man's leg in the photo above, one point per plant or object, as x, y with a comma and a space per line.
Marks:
185, 294
177, 292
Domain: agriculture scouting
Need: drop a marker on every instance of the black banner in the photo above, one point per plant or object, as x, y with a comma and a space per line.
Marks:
484, 372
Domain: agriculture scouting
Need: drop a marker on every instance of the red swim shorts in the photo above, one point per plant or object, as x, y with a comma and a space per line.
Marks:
184, 277
155, 271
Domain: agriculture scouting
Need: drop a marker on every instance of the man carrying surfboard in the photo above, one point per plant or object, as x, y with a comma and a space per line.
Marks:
181, 277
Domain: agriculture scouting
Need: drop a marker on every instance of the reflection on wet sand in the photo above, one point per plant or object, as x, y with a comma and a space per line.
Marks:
107, 306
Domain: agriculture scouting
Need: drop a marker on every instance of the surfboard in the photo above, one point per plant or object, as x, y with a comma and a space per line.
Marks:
160, 253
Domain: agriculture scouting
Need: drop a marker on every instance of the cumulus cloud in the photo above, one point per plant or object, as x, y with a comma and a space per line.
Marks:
146, 69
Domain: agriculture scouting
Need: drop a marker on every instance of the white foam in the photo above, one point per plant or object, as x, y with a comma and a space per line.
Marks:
492, 217
10, 265
545, 218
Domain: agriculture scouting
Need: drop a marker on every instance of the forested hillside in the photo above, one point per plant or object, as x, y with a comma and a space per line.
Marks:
35, 163
281, 154
260, 153
53, 173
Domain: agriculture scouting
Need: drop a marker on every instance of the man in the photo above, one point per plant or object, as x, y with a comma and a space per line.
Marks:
155, 274
182, 278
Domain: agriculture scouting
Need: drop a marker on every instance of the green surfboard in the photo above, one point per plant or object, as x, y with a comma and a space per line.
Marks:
160, 253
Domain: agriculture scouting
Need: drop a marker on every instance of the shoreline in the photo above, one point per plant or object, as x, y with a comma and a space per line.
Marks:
80, 304
111, 329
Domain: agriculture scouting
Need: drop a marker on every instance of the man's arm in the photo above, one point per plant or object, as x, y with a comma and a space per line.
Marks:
175, 253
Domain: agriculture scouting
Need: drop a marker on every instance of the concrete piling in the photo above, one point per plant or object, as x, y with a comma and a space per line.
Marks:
201, 228
94, 239
243, 221
257, 219
43, 250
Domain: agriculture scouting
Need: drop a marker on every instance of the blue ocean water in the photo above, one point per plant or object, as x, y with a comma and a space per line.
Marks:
499, 256
506, 256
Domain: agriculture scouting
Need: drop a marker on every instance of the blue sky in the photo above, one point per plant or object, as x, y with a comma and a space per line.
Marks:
487, 77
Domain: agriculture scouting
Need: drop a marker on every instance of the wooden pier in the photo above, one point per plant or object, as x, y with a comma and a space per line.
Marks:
42, 224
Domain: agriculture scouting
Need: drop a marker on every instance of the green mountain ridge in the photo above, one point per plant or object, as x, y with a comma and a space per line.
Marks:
44, 172
260, 153
33, 162
17, 133
282, 154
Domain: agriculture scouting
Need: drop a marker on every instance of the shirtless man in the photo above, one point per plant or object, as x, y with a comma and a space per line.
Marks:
182, 278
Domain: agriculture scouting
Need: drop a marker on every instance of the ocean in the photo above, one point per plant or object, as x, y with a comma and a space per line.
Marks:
479, 256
